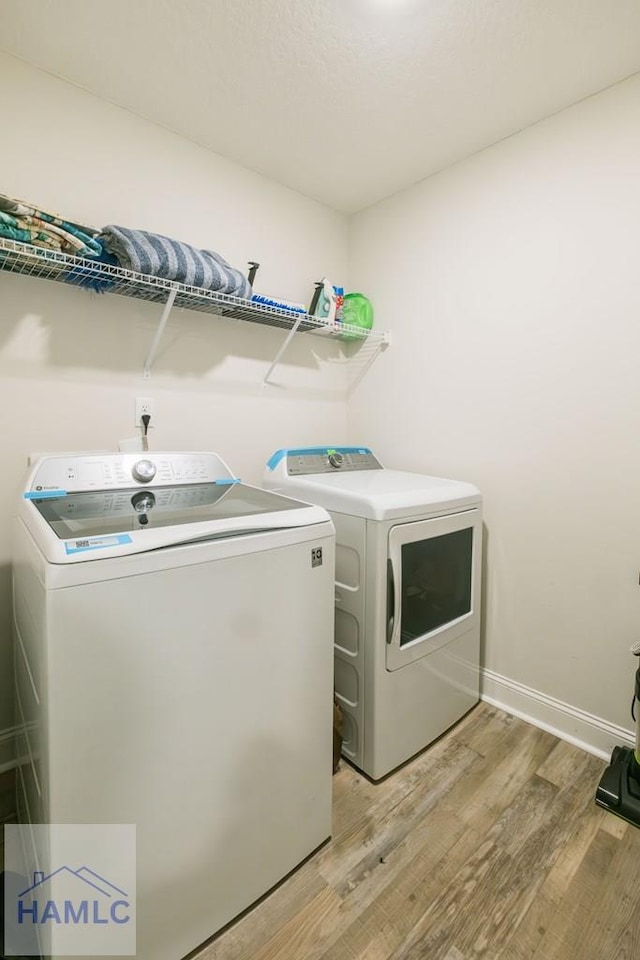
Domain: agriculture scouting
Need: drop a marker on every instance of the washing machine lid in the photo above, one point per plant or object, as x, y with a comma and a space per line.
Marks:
88, 507
360, 486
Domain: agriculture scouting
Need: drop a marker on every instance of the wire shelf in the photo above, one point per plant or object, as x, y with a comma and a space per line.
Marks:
28, 260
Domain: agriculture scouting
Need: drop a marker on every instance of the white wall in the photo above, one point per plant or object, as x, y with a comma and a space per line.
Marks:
71, 363
510, 282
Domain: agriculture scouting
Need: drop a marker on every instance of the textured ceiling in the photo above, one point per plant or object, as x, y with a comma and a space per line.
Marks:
346, 101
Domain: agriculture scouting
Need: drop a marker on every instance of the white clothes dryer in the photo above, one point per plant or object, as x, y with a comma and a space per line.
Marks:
174, 670
407, 598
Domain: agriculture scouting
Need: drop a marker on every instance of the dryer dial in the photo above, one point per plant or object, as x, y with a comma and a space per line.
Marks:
144, 471
336, 460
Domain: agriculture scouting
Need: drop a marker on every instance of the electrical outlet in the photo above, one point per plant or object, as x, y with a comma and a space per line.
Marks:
144, 405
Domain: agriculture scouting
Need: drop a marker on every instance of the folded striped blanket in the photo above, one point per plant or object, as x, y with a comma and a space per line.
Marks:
172, 260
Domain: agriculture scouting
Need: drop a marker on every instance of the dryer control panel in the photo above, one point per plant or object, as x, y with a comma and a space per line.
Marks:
310, 460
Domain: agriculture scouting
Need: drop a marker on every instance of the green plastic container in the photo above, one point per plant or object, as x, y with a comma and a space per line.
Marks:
357, 311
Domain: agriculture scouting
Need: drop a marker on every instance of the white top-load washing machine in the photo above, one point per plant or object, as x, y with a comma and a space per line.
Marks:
407, 601
174, 670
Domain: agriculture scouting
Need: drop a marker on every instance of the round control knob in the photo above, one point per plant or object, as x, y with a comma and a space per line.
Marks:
336, 459
144, 471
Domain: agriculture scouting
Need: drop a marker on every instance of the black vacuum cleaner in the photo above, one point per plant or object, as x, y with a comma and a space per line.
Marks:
619, 787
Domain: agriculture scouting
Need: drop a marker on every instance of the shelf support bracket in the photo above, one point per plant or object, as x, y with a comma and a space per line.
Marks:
378, 348
282, 349
158, 336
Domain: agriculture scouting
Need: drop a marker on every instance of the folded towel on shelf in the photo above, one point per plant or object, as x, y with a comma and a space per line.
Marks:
27, 224
170, 259
19, 229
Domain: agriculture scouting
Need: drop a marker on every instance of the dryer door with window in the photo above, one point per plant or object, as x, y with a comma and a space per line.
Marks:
433, 584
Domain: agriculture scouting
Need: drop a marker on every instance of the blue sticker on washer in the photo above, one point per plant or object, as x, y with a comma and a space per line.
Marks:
44, 494
96, 543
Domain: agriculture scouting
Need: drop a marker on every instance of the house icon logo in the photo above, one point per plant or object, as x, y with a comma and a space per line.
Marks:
69, 896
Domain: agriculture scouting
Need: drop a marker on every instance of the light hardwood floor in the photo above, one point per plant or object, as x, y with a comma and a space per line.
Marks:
488, 845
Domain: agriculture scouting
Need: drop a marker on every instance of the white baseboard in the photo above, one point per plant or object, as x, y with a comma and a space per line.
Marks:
8, 740
583, 729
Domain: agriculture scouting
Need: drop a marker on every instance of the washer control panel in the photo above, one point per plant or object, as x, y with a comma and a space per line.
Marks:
75, 472
330, 460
